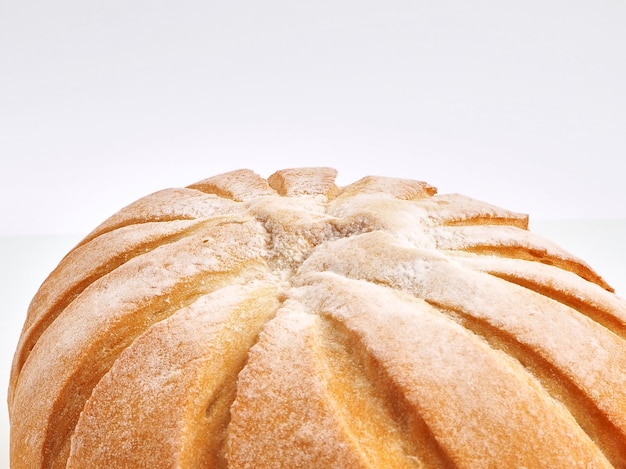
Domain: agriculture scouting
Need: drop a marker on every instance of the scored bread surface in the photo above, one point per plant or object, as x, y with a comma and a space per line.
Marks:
244, 322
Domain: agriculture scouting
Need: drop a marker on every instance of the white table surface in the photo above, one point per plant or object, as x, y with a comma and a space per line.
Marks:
25, 261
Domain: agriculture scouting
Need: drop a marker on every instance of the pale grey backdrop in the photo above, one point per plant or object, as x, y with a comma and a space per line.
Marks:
518, 103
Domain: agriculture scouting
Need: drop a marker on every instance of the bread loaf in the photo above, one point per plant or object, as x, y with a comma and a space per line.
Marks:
244, 322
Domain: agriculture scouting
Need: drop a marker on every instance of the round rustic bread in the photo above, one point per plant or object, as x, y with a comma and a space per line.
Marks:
250, 323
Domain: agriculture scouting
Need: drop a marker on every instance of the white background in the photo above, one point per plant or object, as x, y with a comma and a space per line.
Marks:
521, 104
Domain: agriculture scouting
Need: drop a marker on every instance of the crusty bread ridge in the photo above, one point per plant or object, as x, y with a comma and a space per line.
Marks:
244, 322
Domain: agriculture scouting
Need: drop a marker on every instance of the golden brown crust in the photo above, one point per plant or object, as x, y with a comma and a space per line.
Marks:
288, 322
305, 181
189, 360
